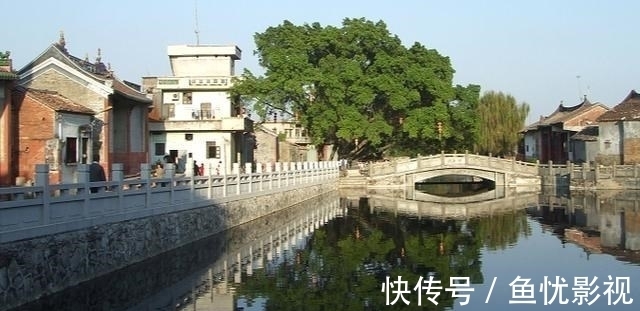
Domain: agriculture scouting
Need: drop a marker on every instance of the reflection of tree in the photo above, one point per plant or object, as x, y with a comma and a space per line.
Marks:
500, 231
346, 261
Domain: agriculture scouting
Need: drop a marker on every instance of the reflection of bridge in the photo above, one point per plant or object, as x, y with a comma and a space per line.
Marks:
449, 210
504, 172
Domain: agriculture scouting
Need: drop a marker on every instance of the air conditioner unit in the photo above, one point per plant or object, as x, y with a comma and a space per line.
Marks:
172, 98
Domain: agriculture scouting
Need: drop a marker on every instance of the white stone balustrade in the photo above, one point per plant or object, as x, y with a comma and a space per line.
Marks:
45, 208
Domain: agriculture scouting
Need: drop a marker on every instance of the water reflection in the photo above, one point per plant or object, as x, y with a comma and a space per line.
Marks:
333, 253
597, 221
455, 185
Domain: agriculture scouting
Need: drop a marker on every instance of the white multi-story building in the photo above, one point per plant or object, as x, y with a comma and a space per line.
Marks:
194, 118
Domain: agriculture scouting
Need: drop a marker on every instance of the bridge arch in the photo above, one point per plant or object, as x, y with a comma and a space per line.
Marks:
497, 177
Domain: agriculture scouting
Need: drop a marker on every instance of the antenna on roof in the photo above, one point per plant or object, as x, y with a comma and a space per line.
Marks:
197, 31
580, 94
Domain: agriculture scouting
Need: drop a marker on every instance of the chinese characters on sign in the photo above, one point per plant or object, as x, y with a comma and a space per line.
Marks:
583, 290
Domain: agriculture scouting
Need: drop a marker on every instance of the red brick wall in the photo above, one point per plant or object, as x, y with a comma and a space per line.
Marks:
631, 151
6, 172
35, 126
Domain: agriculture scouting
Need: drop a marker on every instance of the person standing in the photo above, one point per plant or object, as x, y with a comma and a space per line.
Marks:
196, 170
96, 172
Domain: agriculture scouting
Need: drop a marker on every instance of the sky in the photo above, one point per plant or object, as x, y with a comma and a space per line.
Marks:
542, 52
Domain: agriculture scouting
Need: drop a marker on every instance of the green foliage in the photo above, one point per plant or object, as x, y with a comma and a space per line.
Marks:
359, 83
501, 119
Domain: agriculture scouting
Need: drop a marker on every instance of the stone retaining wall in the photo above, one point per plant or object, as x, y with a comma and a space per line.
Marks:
39, 266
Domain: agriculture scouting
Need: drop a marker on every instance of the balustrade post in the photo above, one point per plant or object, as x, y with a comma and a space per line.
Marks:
169, 172
613, 171
83, 178
145, 177
238, 176
117, 173
596, 173
260, 176
585, 171
42, 180
209, 184
441, 159
248, 170
466, 157
635, 170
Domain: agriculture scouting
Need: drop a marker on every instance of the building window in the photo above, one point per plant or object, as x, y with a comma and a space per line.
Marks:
205, 111
186, 98
71, 150
168, 111
160, 149
213, 151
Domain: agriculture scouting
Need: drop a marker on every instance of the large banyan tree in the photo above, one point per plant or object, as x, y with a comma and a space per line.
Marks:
359, 88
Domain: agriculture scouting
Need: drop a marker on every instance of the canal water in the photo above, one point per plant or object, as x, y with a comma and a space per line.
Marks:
527, 251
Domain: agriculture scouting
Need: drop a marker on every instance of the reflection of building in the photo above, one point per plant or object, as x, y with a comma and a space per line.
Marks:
194, 118
119, 131
53, 130
6, 154
612, 221
548, 139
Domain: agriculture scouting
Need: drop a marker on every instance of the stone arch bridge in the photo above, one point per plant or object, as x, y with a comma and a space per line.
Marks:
504, 172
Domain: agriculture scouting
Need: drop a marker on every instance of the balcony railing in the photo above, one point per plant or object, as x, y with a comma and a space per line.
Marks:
213, 124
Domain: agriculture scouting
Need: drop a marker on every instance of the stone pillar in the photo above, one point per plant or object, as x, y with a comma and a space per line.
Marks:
269, 167
42, 179
248, 167
235, 169
259, 168
117, 172
83, 175
169, 170
278, 166
145, 171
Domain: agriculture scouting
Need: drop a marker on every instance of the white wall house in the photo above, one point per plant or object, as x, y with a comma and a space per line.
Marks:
195, 119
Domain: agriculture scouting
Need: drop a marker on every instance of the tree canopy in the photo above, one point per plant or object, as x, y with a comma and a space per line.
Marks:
359, 88
501, 121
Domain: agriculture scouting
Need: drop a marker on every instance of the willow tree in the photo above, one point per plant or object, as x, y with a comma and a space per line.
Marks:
355, 86
501, 120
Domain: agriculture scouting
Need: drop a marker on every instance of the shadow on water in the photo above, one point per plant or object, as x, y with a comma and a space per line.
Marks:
174, 280
455, 185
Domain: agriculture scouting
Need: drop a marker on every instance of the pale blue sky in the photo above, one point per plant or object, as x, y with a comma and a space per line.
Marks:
534, 50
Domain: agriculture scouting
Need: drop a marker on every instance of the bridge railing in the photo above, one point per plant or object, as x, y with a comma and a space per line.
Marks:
452, 160
52, 208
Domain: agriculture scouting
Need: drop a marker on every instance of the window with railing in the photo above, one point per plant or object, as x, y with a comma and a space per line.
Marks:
168, 111
205, 111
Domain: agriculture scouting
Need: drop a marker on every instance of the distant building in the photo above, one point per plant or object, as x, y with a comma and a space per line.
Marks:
193, 117
294, 143
53, 130
584, 145
619, 135
7, 76
548, 139
275, 145
118, 133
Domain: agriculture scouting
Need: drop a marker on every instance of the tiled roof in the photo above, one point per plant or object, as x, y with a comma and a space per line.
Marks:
562, 114
5, 75
628, 109
101, 72
589, 133
57, 102
126, 90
